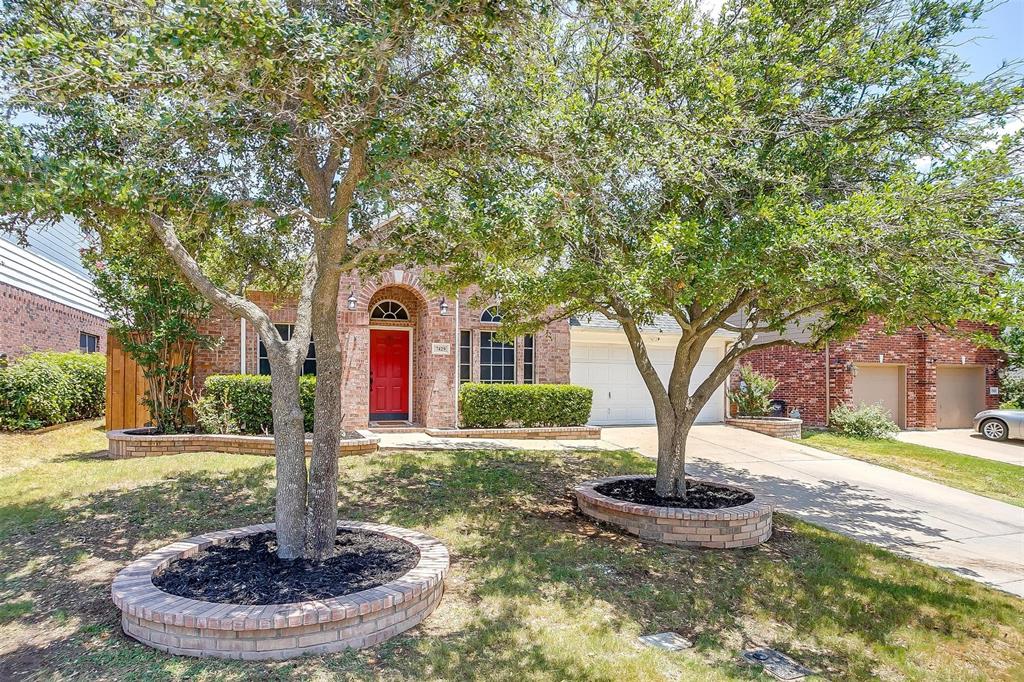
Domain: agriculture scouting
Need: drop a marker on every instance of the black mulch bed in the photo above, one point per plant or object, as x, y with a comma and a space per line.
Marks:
698, 495
247, 571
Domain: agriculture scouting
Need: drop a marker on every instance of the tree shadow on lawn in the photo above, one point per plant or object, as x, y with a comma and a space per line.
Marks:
511, 519
535, 591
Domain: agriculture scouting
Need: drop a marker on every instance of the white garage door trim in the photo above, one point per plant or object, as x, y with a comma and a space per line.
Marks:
604, 362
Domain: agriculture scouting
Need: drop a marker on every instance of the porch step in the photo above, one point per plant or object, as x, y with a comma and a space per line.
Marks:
396, 427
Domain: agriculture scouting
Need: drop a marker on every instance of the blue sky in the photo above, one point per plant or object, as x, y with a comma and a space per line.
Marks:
998, 37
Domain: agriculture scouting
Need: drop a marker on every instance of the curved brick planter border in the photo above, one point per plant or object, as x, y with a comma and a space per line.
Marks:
746, 525
189, 627
124, 445
777, 427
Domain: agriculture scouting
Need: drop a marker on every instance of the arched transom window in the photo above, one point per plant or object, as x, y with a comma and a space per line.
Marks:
492, 314
389, 310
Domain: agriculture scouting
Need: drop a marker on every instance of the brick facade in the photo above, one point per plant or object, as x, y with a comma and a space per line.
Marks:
434, 376
29, 322
801, 373
130, 443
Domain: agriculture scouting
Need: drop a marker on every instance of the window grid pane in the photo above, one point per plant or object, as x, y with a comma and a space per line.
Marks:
285, 330
497, 360
88, 343
528, 359
465, 356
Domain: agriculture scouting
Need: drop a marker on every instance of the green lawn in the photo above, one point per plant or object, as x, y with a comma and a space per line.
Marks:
997, 480
535, 592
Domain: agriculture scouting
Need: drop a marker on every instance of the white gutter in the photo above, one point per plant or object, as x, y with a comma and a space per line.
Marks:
458, 359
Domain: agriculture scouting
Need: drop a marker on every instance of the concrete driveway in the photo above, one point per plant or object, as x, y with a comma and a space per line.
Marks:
974, 536
967, 442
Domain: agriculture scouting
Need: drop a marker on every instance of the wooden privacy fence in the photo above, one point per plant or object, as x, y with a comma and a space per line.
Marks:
126, 387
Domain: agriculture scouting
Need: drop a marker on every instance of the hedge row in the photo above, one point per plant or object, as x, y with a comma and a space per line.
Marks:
240, 403
42, 389
491, 406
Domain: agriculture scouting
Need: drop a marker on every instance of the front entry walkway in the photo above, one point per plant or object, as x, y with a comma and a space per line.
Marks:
974, 536
413, 440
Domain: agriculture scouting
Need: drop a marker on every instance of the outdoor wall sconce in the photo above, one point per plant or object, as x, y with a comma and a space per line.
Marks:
352, 301
444, 306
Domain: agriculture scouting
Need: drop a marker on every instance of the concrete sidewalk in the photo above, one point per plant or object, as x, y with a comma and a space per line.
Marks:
974, 536
967, 442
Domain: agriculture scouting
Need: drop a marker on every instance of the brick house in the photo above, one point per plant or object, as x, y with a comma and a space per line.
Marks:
46, 296
925, 379
406, 350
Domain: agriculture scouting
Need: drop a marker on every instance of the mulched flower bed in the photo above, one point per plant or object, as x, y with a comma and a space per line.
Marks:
247, 570
698, 495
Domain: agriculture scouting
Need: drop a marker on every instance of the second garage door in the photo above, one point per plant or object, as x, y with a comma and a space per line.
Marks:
959, 395
881, 385
620, 394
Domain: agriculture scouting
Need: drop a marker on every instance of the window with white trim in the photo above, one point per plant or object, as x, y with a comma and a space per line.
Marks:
389, 310
528, 359
497, 360
465, 356
491, 315
285, 330
88, 343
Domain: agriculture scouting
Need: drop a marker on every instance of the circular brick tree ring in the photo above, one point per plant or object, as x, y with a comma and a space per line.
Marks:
189, 627
744, 525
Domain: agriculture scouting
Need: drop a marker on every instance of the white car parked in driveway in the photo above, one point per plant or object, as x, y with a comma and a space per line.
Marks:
1000, 424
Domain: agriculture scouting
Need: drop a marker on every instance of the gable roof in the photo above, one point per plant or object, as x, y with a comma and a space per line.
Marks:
663, 323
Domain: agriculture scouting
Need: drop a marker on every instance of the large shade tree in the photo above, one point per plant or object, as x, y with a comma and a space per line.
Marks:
227, 127
781, 166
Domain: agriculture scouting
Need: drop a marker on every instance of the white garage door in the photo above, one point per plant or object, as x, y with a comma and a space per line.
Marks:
620, 394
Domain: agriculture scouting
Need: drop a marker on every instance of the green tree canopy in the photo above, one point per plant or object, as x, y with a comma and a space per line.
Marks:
784, 165
258, 140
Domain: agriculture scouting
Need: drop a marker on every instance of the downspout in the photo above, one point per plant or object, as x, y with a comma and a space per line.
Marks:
241, 349
828, 396
457, 355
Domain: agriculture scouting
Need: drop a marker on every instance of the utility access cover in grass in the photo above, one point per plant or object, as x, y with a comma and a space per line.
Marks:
776, 664
670, 641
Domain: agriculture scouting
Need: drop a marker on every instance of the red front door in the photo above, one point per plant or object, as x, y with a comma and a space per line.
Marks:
389, 374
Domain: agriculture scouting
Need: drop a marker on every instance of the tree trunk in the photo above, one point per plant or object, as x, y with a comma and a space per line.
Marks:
322, 500
671, 475
290, 447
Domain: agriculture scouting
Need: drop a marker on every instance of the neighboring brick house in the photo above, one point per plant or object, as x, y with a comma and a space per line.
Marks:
46, 297
925, 378
417, 345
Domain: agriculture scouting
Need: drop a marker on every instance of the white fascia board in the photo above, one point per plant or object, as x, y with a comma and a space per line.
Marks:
27, 271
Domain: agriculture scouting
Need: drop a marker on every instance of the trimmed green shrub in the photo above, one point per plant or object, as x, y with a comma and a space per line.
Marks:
502, 405
866, 421
753, 394
240, 403
88, 374
42, 389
